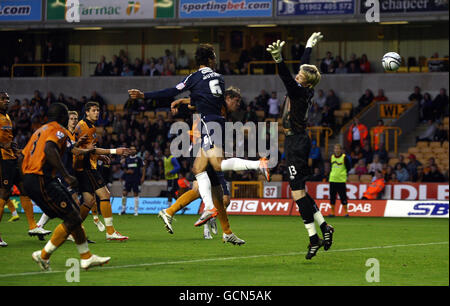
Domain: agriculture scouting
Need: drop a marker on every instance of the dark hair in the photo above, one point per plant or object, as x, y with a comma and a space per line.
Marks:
203, 54
58, 112
89, 105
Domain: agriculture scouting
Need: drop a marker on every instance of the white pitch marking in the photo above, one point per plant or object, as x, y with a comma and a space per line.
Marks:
231, 258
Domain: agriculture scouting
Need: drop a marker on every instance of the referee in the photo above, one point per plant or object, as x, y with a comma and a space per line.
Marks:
340, 165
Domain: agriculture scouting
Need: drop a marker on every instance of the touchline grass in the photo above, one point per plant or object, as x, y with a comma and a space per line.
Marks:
409, 252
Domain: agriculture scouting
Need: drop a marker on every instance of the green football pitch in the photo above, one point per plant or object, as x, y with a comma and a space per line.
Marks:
407, 252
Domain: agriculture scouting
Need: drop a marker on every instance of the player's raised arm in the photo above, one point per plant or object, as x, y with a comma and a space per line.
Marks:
161, 94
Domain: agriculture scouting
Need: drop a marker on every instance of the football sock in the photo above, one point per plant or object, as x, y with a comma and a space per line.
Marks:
124, 203
306, 209
59, 236
333, 209
94, 210
183, 201
84, 211
136, 204
312, 233
2, 205
238, 164
79, 235
43, 220
344, 209
222, 216
105, 206
204, 187
28, 208
11, 207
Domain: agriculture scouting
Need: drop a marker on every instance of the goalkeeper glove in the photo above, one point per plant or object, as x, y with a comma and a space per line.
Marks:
314, 39
275, 50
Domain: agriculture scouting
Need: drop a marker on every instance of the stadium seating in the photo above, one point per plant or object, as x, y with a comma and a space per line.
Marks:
353, 178
365, 178
276, 178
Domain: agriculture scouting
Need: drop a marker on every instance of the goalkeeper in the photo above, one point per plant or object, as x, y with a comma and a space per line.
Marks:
297, 144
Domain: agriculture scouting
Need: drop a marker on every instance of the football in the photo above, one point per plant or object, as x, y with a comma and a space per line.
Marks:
391, 61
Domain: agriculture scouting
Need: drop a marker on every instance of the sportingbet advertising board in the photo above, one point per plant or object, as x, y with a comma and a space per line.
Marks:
225, 8
314, 7
91, 10
29, 10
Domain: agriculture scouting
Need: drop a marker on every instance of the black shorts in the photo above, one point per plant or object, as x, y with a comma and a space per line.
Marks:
51, 196
297, 148
9, 174
338, 188
89, 180
132, 186
212, 132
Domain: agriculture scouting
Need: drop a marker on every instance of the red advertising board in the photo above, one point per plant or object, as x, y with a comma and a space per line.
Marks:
394, 191
287, 207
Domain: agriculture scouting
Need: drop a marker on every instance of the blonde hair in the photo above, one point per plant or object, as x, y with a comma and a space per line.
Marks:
311, 75
73, 113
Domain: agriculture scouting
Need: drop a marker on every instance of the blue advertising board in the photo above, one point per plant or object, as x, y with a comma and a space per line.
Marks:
20, 10
225, 8
315, 7
152, 206
146, 206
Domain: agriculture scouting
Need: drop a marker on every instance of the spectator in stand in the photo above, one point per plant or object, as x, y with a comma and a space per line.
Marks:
416, 95
401, 160
19, 71
326, 62
364, 64
375, 188
394, 178
380, 96
353, 60
314, 116
138, 67
430, 162
419, 177
127, 71
376, 165
317, 176
102, 68
153, 71
273, 105
434, 175
182, 60
97, 98
441, 103
412, 167
5, 71
328, 119
388, 172
353, 68
429, 133
326, 170
426, 108
321, 99
243, 61
441, 134
226, 69
378, 135
341, 68
169, 68
360, 168
402, 173
332, 101
250, 115
297, 50
160, 65
168, 56
382, 153
261, 101
367, 152
315, 155
146, 67
357, 134
365, 100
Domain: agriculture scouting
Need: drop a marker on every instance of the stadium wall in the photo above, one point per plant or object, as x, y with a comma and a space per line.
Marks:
349, 88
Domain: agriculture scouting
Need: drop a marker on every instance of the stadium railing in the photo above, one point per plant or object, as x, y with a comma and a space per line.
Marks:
44, 65
386, 129
318, 131
247, 189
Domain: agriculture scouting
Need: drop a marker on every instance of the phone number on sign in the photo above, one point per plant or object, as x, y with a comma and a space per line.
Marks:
325, 6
